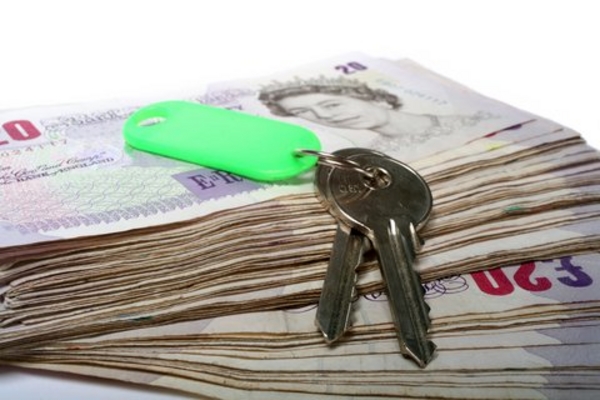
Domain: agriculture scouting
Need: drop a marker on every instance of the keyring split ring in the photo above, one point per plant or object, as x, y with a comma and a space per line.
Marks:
334, 161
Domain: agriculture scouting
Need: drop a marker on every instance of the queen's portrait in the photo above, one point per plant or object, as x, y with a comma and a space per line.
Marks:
352, 105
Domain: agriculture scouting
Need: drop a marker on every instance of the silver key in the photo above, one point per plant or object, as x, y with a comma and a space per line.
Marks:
335, 303
389, 210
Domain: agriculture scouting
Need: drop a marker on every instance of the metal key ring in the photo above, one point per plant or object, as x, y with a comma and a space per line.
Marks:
334, 161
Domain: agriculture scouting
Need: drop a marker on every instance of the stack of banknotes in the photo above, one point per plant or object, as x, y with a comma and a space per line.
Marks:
126, 265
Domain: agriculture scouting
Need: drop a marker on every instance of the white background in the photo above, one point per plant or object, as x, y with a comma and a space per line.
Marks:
541, 56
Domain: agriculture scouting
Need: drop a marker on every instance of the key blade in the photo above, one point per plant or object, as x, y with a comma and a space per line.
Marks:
405, 292
335, 303
389, 209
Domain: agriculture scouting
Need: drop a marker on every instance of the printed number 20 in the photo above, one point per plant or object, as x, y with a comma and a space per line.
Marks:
496, 282
350, 67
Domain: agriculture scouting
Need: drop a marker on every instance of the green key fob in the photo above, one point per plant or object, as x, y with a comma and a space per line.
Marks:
243, 144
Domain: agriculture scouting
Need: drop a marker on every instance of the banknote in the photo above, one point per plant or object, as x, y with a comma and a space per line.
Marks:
507, 186
563, 285
532, 357
205, 389
488, 147
271, 254
66, 172
349, 103
54, 291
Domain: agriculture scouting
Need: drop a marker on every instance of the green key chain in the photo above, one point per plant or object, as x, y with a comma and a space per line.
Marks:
247, 145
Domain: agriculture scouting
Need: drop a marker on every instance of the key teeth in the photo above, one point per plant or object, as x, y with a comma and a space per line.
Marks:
426, 306
420, 351
427, 311
427, 349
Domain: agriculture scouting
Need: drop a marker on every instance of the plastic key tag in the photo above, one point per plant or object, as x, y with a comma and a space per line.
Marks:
243, 144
